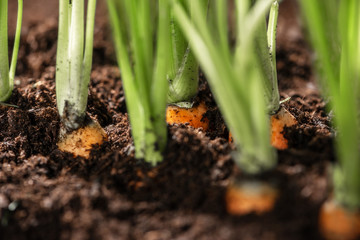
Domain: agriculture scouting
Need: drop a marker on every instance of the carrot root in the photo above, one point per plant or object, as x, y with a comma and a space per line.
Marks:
231, 139
337, 223
283, 118
277, 123
250, 197
194, 116
80, 142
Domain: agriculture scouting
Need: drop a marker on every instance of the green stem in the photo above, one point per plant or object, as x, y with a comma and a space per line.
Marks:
159, 89
75, 114
222, 26
266, 50
249, 25
184, 74
133, 100
62, 63
6, 75
142, 62
5, 86
16, 43
274, 103
87, 60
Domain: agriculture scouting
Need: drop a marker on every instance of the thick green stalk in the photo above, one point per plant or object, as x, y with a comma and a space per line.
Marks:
6, 75
73, 65
184, 69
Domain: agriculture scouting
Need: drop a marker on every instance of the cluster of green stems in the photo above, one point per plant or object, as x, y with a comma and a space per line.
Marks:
242, 78
157, 66
7, 75
244, 83
141, 31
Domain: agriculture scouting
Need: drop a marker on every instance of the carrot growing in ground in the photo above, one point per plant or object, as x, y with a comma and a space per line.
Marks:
242, 80
265, 42
73, 68
278, 121
334, 31
183, 77
143, 52
280, 117
195, 116
7, 75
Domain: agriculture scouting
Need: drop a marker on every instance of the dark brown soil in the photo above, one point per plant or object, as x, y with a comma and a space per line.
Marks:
47, 194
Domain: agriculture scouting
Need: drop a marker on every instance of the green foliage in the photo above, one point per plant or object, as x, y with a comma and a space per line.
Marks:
7, 75
238, 77
183, 75
143, 53
334, 31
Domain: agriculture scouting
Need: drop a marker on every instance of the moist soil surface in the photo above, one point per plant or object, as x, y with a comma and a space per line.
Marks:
48, 194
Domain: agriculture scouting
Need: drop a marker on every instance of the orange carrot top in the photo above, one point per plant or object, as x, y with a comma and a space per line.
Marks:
194, 116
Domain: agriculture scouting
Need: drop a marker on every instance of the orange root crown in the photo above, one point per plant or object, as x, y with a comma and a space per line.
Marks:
336, 223
194, 116
278, 122
248, 198
80, 142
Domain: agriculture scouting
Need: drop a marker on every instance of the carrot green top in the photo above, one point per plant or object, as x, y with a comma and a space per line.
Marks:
6, 75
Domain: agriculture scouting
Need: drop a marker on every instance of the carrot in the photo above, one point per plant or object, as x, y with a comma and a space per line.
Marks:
335, 222
278, 121
250, 197
230, 138
80, 141
195, 116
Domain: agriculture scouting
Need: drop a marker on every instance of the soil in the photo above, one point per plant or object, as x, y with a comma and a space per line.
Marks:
48, 194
